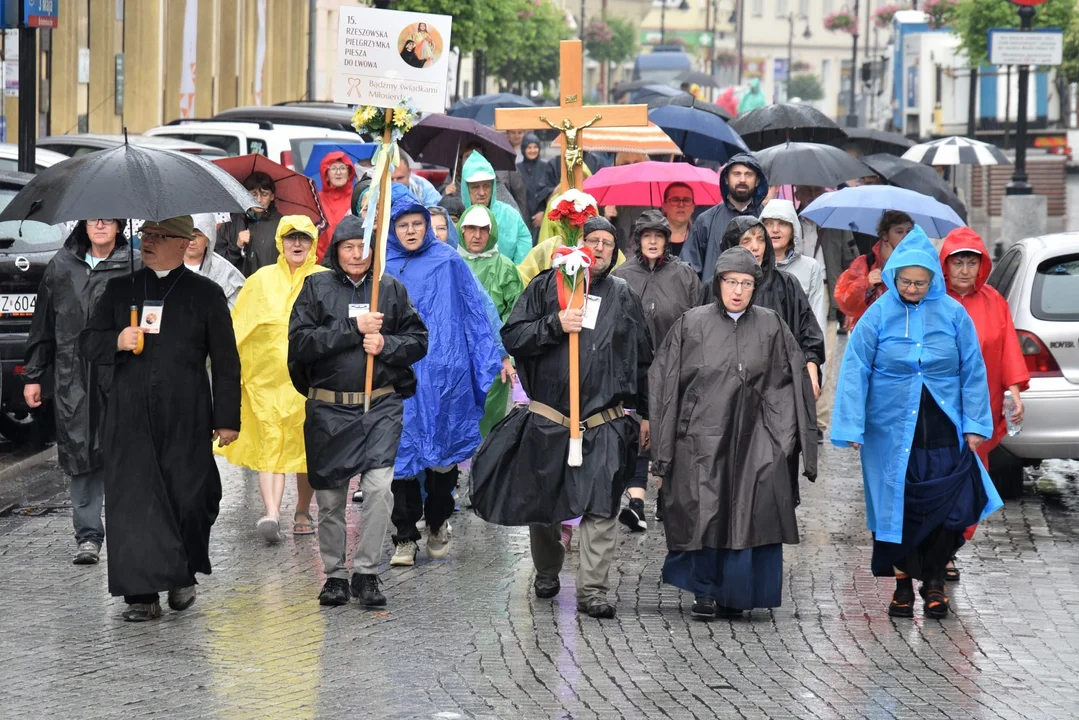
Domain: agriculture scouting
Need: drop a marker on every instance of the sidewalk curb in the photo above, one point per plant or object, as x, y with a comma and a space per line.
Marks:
27, 463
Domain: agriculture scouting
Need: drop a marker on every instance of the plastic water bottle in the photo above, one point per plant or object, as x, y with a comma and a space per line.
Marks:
1014, 428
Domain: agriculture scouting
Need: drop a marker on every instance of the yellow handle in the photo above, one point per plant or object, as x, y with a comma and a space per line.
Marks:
135, 323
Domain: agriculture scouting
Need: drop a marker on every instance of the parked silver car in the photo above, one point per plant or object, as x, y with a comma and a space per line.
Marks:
1039, 277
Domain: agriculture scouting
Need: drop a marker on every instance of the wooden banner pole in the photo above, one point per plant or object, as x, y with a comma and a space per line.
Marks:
376, 251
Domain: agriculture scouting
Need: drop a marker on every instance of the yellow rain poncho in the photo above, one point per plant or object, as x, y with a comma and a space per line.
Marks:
272, 412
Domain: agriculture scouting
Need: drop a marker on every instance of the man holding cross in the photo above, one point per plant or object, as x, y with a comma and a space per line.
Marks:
520, 475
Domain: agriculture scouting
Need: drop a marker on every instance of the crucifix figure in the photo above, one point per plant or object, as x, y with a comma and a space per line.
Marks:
575, 118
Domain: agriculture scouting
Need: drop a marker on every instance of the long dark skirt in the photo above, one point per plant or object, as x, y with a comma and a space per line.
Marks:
943, 496
742, 579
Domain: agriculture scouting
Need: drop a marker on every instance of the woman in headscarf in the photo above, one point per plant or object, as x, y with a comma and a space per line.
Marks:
272, 412
966, 263
338, 175
444, 227
913, 397
534, 172
732, 407
200, 257
667, 288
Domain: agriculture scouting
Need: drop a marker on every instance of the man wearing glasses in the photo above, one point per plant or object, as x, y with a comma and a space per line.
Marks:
520, 476
678, 207
162, 420
249, 241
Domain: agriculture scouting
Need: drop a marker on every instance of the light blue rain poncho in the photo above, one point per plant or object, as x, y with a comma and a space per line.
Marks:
514, 238
442, 421
895, 348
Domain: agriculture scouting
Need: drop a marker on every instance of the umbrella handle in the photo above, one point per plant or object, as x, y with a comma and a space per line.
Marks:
135, 323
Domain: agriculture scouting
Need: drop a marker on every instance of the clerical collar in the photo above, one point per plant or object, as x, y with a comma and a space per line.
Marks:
163, 273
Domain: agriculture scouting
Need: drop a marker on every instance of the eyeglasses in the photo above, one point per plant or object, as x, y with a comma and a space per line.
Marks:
297, 238
151, 236
417, 225
94, 222
739, 284
338, 168
680, 201
917, 284
597, 243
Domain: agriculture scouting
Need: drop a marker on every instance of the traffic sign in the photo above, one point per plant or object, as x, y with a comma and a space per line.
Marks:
41, 13
1008, 46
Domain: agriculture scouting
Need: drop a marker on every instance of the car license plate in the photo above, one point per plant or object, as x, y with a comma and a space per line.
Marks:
15, 305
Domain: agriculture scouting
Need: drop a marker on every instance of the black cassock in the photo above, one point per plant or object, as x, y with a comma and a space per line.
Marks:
519, 475
161, 480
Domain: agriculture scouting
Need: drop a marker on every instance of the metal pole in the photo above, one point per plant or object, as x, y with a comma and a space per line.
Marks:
852, 114
27, 99
790, 55
663, 23
582, 21
972, 120
312, 53
741, 35
1019, 184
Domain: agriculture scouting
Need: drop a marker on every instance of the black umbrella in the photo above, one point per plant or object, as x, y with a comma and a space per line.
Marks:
653, 92
439, 139
623, 88
911, 175
799, 163
871, 141
697, 77
685, 100
776, 124
128, 182
482, 107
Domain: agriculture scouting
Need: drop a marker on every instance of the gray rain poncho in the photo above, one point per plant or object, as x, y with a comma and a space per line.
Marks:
732, 406
214, 267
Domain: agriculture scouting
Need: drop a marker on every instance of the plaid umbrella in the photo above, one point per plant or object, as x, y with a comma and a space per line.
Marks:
956, 151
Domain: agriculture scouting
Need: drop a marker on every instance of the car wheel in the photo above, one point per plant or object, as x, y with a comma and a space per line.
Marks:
34, 430
1006, 471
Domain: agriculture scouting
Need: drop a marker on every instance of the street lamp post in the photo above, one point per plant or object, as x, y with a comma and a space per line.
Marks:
663, 18
1019, 184
741, 26
791, 17
852, 113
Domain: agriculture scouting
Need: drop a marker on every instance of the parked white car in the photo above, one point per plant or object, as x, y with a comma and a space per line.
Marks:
9, 158
1039, 277
289, 145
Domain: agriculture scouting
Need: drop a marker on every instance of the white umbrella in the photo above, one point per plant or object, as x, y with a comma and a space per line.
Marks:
956, 151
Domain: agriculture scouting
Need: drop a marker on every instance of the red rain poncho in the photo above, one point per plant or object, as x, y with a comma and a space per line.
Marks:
1004, 363
336, 202
852, 293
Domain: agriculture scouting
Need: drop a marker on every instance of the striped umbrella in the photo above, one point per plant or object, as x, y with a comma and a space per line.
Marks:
956, 151
649, 140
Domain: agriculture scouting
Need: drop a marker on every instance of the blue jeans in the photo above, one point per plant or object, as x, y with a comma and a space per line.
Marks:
87, 498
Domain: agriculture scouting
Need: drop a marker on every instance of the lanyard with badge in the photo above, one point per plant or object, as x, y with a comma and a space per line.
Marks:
153, 311
356, 309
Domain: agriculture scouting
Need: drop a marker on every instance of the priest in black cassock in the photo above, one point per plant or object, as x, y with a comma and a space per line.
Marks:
161, 480
520, 475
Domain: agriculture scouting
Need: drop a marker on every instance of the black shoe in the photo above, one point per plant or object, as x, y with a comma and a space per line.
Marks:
365, 588
596, 608
727, 613
334, 592
142, 612
632, 516
89, 552
357, 497
181, 599
704, 608
546, 589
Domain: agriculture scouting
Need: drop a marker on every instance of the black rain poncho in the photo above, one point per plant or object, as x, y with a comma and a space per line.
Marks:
520, 475
325, 350
776, 291
68, 292
732, 406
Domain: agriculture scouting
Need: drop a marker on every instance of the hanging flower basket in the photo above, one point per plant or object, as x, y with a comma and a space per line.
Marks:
598, 32
726, 59
884, 16
841, 21
940, 12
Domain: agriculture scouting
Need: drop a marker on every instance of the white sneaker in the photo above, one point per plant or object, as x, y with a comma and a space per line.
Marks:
438, 544
270, 529
405, 553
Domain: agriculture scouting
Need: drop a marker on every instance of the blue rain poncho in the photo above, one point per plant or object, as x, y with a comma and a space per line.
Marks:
895, 348
442, 421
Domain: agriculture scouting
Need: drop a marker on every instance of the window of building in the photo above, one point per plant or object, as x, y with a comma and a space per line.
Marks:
781, 8
757, 8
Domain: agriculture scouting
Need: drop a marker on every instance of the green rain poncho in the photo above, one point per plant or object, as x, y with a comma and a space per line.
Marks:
499, 277
516, 240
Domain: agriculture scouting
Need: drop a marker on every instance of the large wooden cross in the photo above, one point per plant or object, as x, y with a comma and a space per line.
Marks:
572, 118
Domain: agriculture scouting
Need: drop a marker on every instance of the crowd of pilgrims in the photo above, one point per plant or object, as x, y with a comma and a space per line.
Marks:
702, 363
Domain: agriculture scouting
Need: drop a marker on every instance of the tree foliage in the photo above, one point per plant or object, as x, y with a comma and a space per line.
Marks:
807, 87
525, 46
973, 19
613, 40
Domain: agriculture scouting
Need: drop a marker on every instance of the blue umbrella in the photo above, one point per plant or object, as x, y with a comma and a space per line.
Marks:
859, 209
700, 134
482, 107
357, 151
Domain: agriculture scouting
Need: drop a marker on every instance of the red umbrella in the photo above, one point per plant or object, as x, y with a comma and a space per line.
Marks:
294, 194
644, 183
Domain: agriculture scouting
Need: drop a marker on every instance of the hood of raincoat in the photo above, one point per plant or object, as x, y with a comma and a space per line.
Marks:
78, 242
651, 220
475, 164
206, 223
292, 223
350, 228
453, 239
915, 250
530, 138
492, 242
736, 228
735, 259
441, 423
215, 267
960, 239
750, 161
324, 168
784, 210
